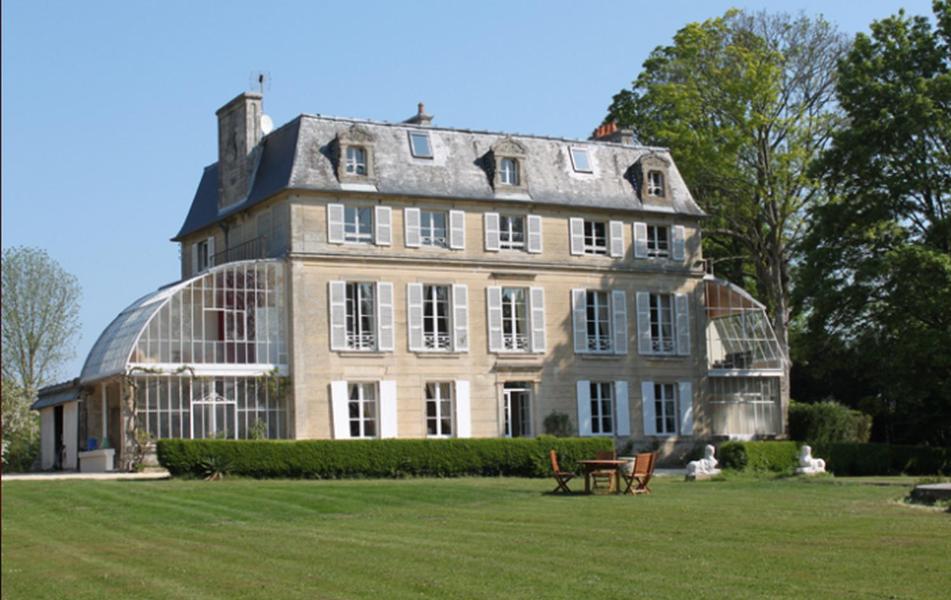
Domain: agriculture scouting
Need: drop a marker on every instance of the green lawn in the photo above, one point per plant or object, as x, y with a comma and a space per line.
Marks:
469, 538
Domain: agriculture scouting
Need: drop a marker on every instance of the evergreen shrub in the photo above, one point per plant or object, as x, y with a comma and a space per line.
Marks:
828, 421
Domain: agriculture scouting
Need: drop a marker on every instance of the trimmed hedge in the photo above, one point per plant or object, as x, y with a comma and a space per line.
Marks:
828, 422
336, 459
841, 458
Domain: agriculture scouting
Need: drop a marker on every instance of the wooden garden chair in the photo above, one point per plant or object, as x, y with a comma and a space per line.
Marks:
641, 474
608, 475
562, 477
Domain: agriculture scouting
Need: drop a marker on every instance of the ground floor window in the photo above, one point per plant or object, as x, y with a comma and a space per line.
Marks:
665, 407
439, 409
362, 410
169, 406
516, 397
602, 403
744, 406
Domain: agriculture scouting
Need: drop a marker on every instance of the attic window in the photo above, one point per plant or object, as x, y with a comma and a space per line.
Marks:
579, 160
655, 184
508, 171
356, 160
419, 145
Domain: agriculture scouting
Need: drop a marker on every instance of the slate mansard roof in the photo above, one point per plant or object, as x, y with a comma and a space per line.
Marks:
298, 156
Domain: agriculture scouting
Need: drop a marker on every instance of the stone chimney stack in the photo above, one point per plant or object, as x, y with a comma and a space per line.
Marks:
609, 132
420, 118
239, 131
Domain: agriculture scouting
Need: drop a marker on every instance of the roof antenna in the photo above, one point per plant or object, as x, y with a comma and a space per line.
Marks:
260, 80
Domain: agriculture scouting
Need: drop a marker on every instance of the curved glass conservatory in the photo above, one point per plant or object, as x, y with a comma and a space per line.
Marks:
202, 358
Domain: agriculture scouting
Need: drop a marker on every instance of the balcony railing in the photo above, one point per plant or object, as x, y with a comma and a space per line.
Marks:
249, 250
361, 341
599, 343
436, 341
515, 342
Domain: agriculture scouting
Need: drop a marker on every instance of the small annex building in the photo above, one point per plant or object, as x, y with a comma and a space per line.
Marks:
346, 278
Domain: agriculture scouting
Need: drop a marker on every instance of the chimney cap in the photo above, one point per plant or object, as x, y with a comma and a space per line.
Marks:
240, 98
609, 132
420, 118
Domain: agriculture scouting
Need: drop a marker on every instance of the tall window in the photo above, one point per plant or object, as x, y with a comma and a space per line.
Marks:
662, 323
362, 410
358, 224
361, 316
436, 317
595, 237
602, 405
508, 171
655, 183
658, 241
514, 319
599, 321
665, 405
439, 409
511, 232
356, 160
203, 257
432, 229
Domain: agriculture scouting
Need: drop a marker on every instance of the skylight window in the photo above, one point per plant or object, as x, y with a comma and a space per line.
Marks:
419, 145
579, 159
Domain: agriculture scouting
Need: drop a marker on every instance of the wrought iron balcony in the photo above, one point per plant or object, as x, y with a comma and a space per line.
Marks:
249, 250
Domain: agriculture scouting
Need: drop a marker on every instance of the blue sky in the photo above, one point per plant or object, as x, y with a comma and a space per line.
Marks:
108, 107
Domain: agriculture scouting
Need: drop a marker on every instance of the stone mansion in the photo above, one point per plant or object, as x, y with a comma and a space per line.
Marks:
345, 278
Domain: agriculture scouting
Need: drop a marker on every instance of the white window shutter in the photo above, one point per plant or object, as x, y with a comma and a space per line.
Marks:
616, 229
640, 240
463, 409
579, 317
534, 227
576, 227
685, 398
338, 315
536, 299
340, 409
460, 318
384, 317
682, 312
335, 223
457, 229
388, 412
414, 315
647, 408
643, 322
623, 409
584, 407
383, 222
678, 242
211, 251
411, 220
494, 308
491, 232
195, 258
619, 320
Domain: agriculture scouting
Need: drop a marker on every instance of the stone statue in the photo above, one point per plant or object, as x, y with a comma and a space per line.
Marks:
809, 465
704, 468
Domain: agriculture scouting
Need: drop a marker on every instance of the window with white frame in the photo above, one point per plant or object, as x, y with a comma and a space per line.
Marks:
432, 229
598, 312
436, 332
515, 319
580, 161
508, 171
602, 407
419, 144
362, 410
658, 241
655, 183
361, 316
511, 232
356, 160
595, 237
665, 407
439, 409
358, 224
662, 323
202, 254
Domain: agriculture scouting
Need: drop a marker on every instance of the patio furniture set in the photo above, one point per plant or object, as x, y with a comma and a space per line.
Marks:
607, 469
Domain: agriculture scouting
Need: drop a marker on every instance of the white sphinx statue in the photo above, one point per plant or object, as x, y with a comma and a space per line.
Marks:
809, 465
704, 468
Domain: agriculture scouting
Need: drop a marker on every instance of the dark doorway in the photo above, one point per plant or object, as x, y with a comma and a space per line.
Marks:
58, 448
517, 400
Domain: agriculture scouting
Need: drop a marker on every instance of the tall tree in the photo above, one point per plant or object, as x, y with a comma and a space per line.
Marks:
40, 317
745, 102
877, 279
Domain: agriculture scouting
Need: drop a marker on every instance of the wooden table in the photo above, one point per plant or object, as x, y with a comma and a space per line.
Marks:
597, 464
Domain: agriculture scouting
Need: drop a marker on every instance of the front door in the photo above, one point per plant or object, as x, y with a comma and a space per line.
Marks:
517, 407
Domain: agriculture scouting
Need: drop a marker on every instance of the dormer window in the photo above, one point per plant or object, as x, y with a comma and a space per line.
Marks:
508, 171
580, 160
655, 184
419, 145
356, 160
